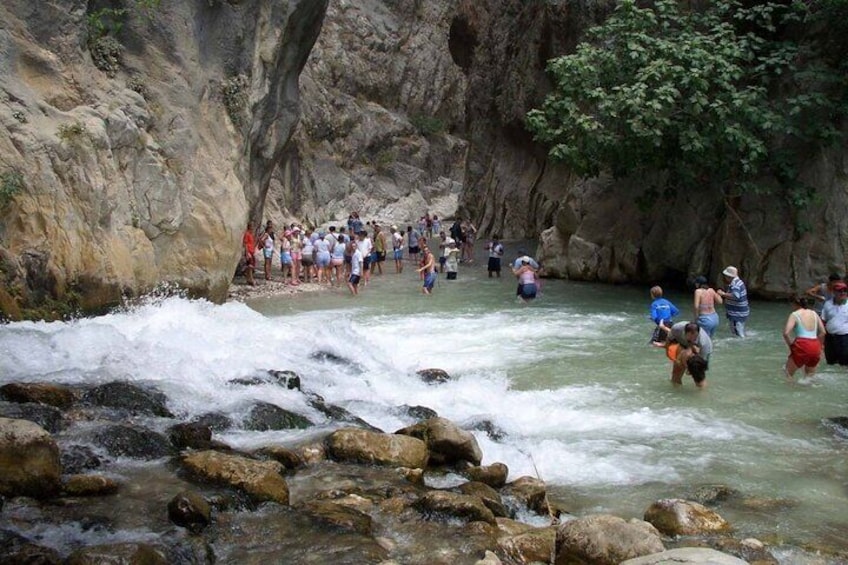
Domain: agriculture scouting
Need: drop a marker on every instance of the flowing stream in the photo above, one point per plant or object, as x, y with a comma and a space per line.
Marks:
580, 398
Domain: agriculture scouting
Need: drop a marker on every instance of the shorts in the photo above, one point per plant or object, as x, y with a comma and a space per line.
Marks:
306, 260
336, 261
296, 256
494, 264
836, 349
414, 250
354, 280
398, 254
442, 261
660, 334
323, 259
250, 260
366, 263
451, 275
380, 256
347, 259
285, 258
528, 291
430, 280
268, 253
805, 351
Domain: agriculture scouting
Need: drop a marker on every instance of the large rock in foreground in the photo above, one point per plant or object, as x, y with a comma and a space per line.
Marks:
262, 480
690, 555
678, 517
363, 446
447, 442
604, 540
29, 460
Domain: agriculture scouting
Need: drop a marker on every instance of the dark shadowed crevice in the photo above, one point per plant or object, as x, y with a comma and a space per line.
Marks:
462, 42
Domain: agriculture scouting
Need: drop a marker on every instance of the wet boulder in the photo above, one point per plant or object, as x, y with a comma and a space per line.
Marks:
288, 458
684, 555
534, 545
488, 495
288, 379
675, 516
18, 549
605, 540
446, 441
337, 516
261, 480
266, 416
215, 421
713, 494
838, 424
50, 394
190, 435
333, 358
417, 413
78, 458
527, 493
89, 485
442, 505
190, 510
494, 475
433, 376
134, 398
338, 413
123, 553
138, 442
364, 446
29, 460
47, 417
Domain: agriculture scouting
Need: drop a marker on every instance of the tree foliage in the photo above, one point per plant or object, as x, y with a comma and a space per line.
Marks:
711, 97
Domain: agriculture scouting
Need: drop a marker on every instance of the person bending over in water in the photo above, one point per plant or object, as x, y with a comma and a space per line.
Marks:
689, 348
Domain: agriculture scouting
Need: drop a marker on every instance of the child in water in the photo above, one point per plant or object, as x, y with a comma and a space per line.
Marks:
662, 314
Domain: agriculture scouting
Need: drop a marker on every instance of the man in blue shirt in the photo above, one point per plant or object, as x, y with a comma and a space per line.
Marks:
735, 301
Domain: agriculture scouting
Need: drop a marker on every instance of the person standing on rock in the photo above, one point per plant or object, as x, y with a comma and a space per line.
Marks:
835, 317
248, 243
735, 298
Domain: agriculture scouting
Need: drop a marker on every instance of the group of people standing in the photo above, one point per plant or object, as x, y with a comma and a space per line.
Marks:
351, 253
808, 332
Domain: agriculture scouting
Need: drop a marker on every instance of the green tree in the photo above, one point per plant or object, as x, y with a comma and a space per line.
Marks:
713, 97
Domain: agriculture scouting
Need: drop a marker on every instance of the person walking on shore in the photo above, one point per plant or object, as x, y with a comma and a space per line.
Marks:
248, 244
735, 298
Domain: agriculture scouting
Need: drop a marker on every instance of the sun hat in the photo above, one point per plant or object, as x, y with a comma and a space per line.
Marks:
394, 227
730, 272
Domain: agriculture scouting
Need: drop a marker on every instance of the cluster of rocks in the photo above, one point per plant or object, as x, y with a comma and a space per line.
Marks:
36, 469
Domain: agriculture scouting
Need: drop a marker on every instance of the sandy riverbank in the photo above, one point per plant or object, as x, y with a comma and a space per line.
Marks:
241, 291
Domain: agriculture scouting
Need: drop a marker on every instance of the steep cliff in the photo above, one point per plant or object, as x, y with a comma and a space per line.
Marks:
593, 229
382, 130
136, 138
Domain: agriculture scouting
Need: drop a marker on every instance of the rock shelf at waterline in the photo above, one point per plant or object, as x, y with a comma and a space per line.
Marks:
164, 490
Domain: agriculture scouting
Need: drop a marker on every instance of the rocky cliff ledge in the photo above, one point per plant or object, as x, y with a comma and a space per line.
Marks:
136, 138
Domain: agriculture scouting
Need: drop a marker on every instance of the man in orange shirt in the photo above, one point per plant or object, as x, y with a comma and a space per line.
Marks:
248, 242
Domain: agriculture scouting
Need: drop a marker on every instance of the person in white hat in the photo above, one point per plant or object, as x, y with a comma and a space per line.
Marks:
735, 297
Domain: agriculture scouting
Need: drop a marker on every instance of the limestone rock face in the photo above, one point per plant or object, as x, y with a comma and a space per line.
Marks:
147, 172
29, 460
383, 117
604, 540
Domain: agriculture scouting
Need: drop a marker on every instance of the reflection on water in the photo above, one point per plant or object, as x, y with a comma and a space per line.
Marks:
582, 399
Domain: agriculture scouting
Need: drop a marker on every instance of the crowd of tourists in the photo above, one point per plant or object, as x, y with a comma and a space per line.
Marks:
817, 325
351, 254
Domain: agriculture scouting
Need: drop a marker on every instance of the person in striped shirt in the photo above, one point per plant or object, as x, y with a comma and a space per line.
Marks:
735, 298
